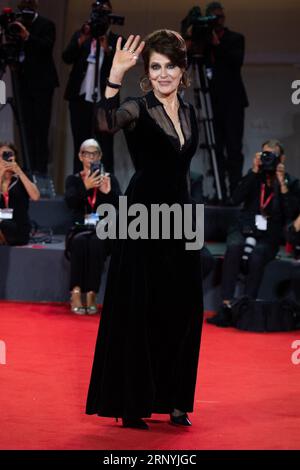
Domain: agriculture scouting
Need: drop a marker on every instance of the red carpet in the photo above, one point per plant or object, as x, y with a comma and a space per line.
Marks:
247, 396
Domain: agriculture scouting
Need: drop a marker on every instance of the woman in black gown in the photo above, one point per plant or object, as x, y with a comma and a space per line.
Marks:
147, 349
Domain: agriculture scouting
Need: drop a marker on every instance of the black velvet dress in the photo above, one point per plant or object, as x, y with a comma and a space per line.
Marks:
17, 230
147, 350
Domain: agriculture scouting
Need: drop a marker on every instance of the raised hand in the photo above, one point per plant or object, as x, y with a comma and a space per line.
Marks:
256, 163
105, 185
92, 181
280, 173
125, 58
85, 34
10, 166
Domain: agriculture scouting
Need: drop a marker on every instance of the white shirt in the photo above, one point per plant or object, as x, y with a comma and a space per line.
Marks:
87, 86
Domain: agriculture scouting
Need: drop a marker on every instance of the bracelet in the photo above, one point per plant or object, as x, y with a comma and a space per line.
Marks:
116, 86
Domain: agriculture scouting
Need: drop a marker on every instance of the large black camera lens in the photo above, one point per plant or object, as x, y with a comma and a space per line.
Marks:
269, 162
99, 24
14, 29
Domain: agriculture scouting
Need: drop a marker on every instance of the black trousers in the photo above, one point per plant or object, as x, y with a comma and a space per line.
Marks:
262, 253
229, 130
82, 118
207, 262
88, 254
36, 107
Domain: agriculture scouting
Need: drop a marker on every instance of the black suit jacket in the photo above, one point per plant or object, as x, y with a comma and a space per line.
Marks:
38, 71
77, 55
227, 59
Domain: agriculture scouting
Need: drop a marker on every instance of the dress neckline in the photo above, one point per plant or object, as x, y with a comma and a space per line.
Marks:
153, 101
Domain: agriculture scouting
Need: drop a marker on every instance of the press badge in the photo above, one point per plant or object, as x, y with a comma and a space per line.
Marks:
261, 222
91, 219
6, 214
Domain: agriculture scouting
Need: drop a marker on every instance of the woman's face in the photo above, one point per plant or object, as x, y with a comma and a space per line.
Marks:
89, 155
164, 76
7, 154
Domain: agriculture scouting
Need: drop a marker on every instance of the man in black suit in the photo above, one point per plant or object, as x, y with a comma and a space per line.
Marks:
229, 98
81, 53
37, 79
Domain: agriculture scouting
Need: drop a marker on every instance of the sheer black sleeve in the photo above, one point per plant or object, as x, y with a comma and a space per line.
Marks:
118, 117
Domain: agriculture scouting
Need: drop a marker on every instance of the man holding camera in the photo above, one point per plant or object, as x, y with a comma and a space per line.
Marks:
267, 193
221, 51
37, 79
229, 99
82, 92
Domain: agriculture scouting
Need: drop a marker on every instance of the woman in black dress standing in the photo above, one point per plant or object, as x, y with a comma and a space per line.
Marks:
147, 350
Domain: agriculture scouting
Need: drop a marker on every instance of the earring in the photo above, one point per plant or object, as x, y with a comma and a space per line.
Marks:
145, 84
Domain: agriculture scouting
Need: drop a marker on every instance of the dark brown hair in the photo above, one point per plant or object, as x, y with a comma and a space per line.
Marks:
11, 146
170, 44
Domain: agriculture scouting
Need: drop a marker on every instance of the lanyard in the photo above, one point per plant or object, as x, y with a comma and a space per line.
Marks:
6, 199
92, 200
264, 204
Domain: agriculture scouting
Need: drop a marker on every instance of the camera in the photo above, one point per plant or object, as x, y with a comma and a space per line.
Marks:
269, 162
9, 20
101, 18
11, 44
6, 156
202, 26
250, 243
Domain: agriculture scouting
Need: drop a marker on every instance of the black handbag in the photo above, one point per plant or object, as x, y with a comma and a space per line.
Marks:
264, 315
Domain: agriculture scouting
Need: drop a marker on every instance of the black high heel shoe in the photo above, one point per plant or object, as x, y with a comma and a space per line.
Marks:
136, 423
182, 420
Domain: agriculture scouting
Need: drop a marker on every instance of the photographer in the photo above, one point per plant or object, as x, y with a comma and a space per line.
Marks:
81, 53
229, 99
37, 79
16, 189
85, 191
267, 194
222, 52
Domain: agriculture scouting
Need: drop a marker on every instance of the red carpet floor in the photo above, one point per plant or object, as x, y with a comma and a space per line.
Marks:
248, 391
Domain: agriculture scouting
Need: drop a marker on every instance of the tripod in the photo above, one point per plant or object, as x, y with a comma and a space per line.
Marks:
45, 184
205, 115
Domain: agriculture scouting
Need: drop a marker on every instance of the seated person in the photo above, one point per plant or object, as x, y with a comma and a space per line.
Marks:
16, 190
85, 191
266, 193
293, 236
293, 239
